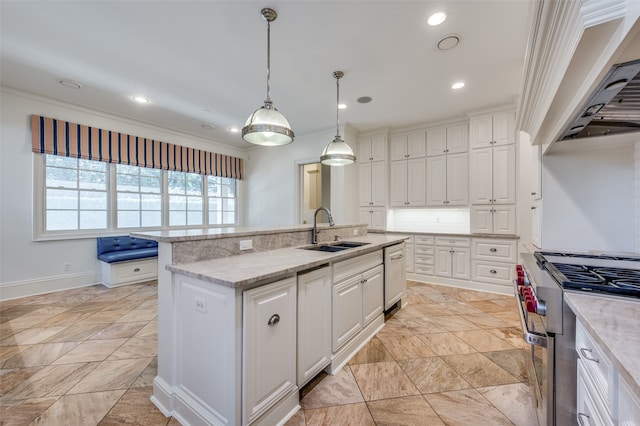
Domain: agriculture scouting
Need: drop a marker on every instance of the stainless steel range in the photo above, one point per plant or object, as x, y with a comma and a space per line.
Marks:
549, 324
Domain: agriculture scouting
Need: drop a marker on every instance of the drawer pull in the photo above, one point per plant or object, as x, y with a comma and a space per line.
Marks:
580, 416
275, 318
588, 357
136, 270
493, 271
493, 249
398, 257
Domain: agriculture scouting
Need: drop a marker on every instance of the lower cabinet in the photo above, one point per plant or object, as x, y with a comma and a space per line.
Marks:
314, 323
395, 278
453, 257
347, 311
269, 346
493, 260
372, 294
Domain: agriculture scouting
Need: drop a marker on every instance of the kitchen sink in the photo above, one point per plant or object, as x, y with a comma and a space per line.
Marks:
332, 248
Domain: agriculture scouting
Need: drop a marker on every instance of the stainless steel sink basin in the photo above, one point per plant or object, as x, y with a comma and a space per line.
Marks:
332, 248
350, 244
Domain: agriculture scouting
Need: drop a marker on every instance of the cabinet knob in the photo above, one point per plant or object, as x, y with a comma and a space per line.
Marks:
493, 271
493, 249
533, 208
275, 318
136, 270
533, 193
580, 416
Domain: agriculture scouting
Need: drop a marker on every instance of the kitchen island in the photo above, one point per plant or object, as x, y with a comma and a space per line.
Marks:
239, 335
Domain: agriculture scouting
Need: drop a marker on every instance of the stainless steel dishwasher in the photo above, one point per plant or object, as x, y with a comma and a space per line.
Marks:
395, 280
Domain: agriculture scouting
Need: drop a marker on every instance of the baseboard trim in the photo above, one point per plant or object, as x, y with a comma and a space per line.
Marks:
469, 285
18, 289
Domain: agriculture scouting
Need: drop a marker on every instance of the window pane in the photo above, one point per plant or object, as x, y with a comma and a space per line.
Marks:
215, 218
62, 220
194, 218
128, 219
151, 218
62, 178
213, 188
229, 217
60, 161
128, 201
194, 203
93, 219
62, 199
215, 204
177, 202
150, 184
151, 202
177, 218
228, 204
145, 171
97, 166
126, 169
93, 200
194, 184
177, 186
93, 180
128, 183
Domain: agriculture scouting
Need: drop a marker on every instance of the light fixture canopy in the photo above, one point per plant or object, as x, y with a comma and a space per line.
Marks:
267, 126
337, 152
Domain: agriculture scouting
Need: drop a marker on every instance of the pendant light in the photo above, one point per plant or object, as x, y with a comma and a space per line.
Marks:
338, 152
266, 126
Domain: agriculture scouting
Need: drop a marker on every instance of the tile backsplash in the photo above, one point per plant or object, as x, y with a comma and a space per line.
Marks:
437, 220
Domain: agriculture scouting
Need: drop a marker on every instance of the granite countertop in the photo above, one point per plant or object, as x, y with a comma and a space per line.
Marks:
246, 270
614, 325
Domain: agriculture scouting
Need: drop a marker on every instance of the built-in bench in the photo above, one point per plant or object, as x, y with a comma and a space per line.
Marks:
127, 260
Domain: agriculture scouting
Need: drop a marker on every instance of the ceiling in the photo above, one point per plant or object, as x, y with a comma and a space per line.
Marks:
204, 62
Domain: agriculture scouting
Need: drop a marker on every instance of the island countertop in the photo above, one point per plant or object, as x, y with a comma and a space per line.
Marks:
246, 270
614, 325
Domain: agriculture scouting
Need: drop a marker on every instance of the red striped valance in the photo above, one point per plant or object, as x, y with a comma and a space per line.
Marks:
57, 137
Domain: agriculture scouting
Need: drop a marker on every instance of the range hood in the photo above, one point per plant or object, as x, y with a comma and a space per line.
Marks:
613, 108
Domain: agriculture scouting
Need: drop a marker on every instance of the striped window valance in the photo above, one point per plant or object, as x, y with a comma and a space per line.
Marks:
57, 137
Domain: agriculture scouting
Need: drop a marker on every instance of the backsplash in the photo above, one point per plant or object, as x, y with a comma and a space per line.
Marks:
437, 220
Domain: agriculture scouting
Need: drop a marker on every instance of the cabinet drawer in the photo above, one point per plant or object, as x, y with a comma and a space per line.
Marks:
428, 250
423, 269
453, 241
494, 250
357, 265
132, 271
424, 239
596, 365
590, 407
424, 259
628, 406
491, 272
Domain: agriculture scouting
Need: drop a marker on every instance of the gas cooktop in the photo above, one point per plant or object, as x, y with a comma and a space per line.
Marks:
619, 275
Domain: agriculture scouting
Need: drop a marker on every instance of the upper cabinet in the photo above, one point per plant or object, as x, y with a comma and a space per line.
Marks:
492, 130
372, 148
447, 140
408, 146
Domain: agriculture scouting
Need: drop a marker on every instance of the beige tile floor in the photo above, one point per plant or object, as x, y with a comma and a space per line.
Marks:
88, 357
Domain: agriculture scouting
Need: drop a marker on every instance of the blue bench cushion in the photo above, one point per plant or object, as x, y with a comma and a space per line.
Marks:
122, 248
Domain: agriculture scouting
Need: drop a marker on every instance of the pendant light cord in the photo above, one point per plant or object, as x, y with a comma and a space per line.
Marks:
337, 107
268, 61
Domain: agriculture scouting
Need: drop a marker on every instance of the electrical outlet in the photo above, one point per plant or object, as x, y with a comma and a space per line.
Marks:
201, 305
67, 267
355, 232
246, 244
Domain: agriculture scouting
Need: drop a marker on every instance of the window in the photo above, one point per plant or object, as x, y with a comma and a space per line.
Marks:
75, 194
86, 198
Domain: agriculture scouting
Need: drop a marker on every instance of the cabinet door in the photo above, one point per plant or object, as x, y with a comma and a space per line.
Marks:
364, 183
378, 219
504, 174
457, 179
536, 231
398, 148
437, 180
415, 183
481, 131
364, 150
409, 250
314, 323
504, 219
481, 182
269, 346
461, 263
504, 128
372, 294
436, 141
482, 219
379, 148
416, 145
395, 281
378, 183
398, 192
365, 217
443, 262
457, 139
536, 168
347, 311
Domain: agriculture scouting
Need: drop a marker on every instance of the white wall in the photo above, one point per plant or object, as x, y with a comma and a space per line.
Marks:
272, 198
30, 267
589, 197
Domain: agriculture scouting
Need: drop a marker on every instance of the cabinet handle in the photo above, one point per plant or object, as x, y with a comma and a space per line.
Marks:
533, 193
493, 249
588, 357
398, 257
136, 270
580, 416
533, 208
493, 271
275, 318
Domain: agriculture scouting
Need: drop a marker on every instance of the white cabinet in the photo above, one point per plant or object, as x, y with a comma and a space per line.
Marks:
406, 146
347, 311
536, 175
493, 260
314, 323
492, 130
536, 216
372, 294
407, 182
493, 175
373, 183
372, 148
395, 281
424, 255
374, 217
409, 254
493, 219
447, 180
447, 140
452, 257
269, 346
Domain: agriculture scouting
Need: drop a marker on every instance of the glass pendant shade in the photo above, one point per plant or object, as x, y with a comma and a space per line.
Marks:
266, 126
338, 152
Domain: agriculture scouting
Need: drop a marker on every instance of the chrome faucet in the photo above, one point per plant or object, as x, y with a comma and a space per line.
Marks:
314, 236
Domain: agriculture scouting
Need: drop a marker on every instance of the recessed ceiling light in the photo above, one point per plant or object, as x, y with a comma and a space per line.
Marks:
457, 85
208, 126
364, 99
342, 106
437, 18
234, 129
141, 99
448, 42
70, 84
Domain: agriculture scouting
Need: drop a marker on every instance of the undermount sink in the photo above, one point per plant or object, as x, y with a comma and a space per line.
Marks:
332, 248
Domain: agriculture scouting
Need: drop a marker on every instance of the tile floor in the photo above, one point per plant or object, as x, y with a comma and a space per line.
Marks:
88, 357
